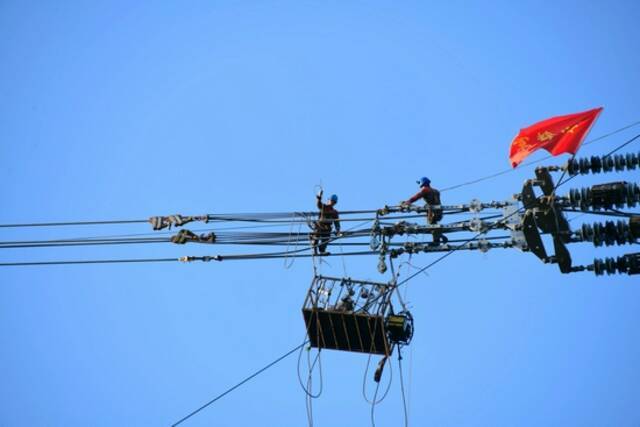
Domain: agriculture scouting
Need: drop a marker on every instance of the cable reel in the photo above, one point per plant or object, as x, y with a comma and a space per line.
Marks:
349, 315
399, 327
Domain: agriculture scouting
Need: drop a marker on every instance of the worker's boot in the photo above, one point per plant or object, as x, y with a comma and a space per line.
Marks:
439, 239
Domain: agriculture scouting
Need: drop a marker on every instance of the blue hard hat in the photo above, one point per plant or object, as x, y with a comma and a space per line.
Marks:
334, 198
423, 181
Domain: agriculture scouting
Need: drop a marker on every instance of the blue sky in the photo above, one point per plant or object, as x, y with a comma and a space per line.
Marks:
117, 111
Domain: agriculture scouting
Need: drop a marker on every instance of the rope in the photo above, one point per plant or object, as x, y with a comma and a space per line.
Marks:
344, 264
364, 383
373, 406
309, 397
250, 377
286, 265
395, 276
310, 367
410, 380
404, 400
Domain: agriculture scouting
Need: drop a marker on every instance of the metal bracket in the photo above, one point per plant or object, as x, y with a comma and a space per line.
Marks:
532, 236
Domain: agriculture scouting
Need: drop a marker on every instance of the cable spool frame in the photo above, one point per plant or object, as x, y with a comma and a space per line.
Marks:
349, 315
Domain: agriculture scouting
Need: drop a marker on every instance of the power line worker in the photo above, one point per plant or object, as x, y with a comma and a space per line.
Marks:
322, 227
431, 196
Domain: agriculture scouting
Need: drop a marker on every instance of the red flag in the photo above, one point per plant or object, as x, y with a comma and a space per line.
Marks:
557, 135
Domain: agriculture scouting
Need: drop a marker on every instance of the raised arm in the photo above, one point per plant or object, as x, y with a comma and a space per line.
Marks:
418, 195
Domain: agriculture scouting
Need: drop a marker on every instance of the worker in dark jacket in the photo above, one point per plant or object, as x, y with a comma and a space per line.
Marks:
322, 227
431, 196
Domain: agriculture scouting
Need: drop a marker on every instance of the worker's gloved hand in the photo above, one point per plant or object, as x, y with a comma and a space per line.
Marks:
404, 204
319, 195
339, 234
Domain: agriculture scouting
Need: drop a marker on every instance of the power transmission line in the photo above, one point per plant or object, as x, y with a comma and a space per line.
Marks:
559, 183
506, 171
92, 261
285, 217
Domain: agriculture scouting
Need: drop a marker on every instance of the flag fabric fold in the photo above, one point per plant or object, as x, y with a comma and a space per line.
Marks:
557, 135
